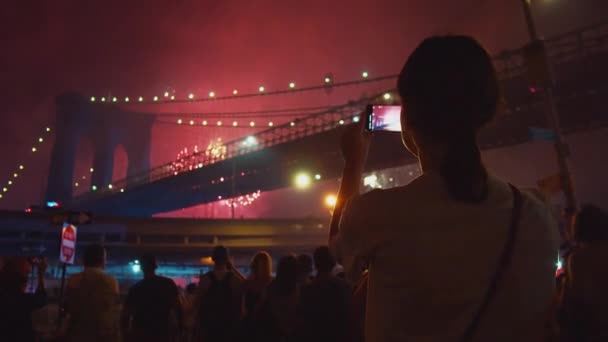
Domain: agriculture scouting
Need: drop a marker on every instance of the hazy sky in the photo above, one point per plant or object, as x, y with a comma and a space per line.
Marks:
143, 47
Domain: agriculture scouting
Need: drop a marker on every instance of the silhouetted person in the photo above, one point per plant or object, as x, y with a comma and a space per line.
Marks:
304, 269
16, 306
152, 308
219, 300
325, 302
253, 289
585, 294
278, 318
91, 300
434, 245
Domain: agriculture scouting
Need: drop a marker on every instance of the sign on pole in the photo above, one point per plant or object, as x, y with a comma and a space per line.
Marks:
67, 251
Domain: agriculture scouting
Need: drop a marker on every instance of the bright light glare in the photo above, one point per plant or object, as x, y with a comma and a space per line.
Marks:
302, 180
364, 74
126, 99
48, 129
21, 167
219, 123
387, 96
155, 98
371, 181
166, 94
103, 99
261, 89
318, 176
252, 124
114, 99
110, 186
179, 121
270, 124
40, 139
235, 124
136, 268
172, 97
355, 119
292, 85
34, 149
204, 122
211, 94
251, 140
140, 99
191, 122
94, 188
91, 170
92, 98
330, 200
341, 122
234, 92
190, 96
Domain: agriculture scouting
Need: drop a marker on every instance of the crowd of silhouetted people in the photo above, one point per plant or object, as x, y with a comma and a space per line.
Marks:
458, 254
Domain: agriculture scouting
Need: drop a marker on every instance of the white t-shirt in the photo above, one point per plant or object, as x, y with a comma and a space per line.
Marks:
431, 260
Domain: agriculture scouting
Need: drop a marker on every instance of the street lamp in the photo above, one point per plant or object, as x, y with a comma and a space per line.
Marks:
538, 67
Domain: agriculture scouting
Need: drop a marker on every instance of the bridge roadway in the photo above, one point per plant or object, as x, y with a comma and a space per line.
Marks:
581, 91
176, 240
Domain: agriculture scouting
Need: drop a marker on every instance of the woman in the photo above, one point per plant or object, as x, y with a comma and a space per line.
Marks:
584, 312
258, 280
277, 318
434, 245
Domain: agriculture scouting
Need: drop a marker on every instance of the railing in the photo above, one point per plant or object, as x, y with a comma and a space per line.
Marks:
509, 64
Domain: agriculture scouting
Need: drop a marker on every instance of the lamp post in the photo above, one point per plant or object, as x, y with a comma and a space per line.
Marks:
538, 69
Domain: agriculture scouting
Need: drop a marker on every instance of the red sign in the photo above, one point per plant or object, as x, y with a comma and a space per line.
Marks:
67, 251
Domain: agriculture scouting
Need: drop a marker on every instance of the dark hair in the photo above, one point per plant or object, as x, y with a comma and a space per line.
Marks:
148, 263
449, 90
94, 255
220, 255
287, 274
591, 224
304, 264
324, 261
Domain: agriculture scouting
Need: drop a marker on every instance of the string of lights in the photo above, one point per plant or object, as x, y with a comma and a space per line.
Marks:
19, 169
242, 201
328, 83
255, 113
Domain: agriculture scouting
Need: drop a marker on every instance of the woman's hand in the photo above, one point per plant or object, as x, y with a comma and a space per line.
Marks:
355, 145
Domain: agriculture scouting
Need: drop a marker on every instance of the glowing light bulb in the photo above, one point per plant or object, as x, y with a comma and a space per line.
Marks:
114, 99
179, 121
292, 85
235, 124
126, 99
234, 92
110, 186
103, 99
94, 187
140, 99
21, 167
341, 122
355, 119
252, 124
91, 170
204, 122
327, 80
40, 139
331, 200
190, 96
270, 124
48, 129
122, 190
34, 149
15, 175
10, 182
172, 97
166, 94
191, 122
364, 74
387, 96
155, 98
318, 176
76, 184
292, 124
261, 89
302, 180
211, 94
219, 123
92, 98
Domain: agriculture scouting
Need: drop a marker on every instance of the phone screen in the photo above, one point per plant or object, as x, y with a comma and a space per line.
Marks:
383, 118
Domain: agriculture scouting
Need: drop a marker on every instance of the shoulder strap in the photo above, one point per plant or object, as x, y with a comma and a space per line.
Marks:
501, 268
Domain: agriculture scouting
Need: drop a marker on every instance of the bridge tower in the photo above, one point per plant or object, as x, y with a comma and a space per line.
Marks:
107, 126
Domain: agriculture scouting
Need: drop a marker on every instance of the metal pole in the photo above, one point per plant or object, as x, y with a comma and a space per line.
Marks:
552, 117
61, 296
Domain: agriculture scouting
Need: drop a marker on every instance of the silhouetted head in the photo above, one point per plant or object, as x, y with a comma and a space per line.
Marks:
324, 260
14, 274
287, 274
148, 264
220, 255
261, 265
304, 266
191, 288
94, 256
591, 224
449, 90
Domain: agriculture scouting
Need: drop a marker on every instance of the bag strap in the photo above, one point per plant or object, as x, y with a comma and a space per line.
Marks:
501, 268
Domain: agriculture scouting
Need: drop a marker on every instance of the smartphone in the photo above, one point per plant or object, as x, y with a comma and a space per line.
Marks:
383, 118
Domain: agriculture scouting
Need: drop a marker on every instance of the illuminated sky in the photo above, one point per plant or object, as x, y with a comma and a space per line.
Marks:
145, 47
